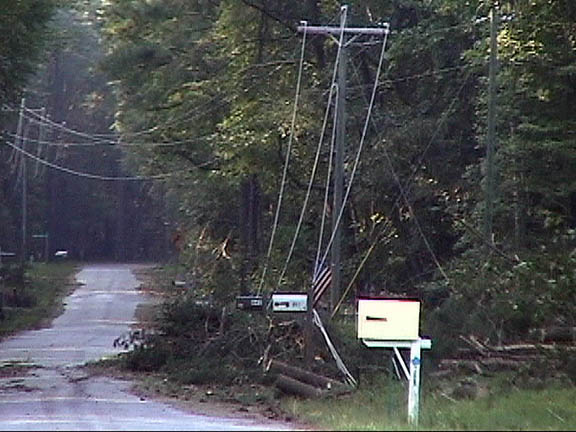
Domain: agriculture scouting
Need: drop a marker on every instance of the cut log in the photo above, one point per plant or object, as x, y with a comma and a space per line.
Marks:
490, 364
307, 377
293, 386
554, 334
526, 351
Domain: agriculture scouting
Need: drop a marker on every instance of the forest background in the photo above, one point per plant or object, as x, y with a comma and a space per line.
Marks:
172, 120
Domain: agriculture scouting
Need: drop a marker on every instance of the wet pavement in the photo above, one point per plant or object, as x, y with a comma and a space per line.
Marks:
50, 392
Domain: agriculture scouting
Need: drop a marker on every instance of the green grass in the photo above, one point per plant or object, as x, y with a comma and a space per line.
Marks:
382, 406
45, 287
552, 408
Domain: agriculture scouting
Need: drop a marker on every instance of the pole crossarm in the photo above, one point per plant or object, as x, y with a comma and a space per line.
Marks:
370, 31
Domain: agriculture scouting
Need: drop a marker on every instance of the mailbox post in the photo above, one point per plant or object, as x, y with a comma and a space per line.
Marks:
386, 323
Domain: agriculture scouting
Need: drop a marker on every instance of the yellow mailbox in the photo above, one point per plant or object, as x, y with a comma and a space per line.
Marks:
388, 319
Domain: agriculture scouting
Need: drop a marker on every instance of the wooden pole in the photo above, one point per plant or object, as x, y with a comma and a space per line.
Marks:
338, 186
491, 137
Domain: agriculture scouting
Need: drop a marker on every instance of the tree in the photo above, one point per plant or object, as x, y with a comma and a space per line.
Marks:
25, 26
214, 82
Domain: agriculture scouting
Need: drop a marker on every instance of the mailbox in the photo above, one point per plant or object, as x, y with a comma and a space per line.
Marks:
289, 302
388, 319
250, 302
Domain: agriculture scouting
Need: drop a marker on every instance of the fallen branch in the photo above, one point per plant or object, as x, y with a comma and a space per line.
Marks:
554, 334
307, 377
293, 386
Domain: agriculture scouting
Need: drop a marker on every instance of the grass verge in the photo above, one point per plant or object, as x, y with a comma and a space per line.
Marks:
42, 291
381, 405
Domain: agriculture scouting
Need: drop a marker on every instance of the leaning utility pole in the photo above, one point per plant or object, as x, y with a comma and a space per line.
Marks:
344, 36
491, 136
340, 120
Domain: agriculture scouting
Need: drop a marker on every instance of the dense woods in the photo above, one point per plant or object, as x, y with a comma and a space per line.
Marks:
218, 81
57, 106
202, 93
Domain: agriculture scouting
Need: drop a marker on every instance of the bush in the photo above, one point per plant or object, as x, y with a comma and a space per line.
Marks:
500, 301
200, 343
146, 359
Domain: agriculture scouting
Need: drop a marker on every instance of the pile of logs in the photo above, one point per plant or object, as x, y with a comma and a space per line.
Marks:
542, 344
300, 382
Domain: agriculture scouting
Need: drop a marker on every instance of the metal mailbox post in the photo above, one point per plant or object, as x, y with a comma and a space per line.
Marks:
384, 323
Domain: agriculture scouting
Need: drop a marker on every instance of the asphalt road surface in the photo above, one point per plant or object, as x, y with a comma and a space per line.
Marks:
52, 393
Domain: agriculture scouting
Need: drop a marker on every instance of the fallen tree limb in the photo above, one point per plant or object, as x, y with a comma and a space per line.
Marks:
554, 334
525, 351
307, 377
491, 364
293, 386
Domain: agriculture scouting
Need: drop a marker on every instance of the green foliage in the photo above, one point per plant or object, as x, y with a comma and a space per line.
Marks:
190, 335
34, 296
499, 301
217, 82
25, 26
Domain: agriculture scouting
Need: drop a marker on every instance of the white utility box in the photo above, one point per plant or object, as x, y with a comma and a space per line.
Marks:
289, 302
388, 319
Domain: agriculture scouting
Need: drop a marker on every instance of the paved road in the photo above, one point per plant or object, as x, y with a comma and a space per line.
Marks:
53, 394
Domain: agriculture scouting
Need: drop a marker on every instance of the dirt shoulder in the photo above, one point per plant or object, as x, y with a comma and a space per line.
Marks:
241, 402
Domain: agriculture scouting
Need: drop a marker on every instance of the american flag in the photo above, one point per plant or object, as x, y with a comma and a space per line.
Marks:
321, 282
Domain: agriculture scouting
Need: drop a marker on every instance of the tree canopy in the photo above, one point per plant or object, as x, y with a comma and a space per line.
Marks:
205, 95
218, 81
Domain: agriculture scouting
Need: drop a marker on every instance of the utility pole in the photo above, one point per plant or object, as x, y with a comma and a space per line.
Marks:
340, 120
491, 136
41, 135
20, 137
24, 161
344, 36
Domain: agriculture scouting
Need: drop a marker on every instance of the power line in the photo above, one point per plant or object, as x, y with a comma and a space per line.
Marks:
84, 174
214, 103
119, 143
405, 197
286, 161
98, 139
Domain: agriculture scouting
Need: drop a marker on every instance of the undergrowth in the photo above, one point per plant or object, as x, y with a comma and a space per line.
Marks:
32, 295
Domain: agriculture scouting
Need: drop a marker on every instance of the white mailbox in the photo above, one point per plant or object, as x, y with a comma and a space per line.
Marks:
394, 323
289, 302
388, 319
